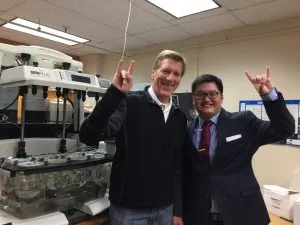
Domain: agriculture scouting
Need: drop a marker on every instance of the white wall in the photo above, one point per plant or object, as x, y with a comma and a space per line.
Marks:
93, 63
251, 49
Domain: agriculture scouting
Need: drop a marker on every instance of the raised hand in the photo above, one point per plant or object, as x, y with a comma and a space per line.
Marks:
123, 78
261, 82
177, 220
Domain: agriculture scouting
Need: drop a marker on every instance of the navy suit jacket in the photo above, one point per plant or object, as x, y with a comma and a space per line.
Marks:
230, 177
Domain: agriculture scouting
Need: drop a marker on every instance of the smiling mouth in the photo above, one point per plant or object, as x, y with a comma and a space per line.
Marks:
207, 106
167, 85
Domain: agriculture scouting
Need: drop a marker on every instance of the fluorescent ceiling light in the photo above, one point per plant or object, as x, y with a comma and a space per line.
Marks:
38, 33
181, 8
43, 31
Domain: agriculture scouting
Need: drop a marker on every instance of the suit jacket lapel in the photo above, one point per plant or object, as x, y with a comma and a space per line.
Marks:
191, 128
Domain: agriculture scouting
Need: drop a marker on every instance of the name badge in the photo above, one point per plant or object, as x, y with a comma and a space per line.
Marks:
234, 137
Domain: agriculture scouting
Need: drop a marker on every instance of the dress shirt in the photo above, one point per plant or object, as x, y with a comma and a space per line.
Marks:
165, 107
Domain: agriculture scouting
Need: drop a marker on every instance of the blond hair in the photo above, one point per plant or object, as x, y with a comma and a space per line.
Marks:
169, 54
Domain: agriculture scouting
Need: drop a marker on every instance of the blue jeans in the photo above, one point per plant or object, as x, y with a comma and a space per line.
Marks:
125, 216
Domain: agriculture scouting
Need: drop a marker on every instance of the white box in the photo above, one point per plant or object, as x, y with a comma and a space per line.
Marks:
280, 201
297, 212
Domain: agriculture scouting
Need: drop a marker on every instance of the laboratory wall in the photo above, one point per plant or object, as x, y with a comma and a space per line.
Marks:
253, 49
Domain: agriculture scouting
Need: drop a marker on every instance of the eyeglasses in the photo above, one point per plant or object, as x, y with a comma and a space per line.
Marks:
211, 95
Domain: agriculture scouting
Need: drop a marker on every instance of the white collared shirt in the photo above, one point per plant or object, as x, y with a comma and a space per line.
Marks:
166, 108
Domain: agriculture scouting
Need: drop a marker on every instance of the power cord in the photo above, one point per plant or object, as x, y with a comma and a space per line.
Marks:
4, 119
125, 34
5, 108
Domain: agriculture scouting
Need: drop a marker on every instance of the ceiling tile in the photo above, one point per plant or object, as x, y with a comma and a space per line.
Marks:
268, 12
163, 35
8, 4
141, 21
59, 18
113, 12
117, 45
6, 17
36, 10
95, 31
85, 50
211, 24
98, 47
114, 17
238, 4
92, 7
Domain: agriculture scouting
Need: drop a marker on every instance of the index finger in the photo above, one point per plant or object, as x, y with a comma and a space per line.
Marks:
131, 67
119, 66
250, 77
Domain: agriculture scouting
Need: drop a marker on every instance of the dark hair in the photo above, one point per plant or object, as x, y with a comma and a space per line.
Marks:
170, 54
207, 78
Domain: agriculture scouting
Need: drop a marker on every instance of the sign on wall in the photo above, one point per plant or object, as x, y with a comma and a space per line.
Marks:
257, 107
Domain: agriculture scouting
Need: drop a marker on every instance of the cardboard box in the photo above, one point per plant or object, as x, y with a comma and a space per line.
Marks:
297, 212
280, 201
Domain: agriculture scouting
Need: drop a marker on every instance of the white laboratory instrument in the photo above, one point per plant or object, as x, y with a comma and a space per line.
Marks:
35, 187
48, 219
29, 75
10, 55
46, 183
95, 206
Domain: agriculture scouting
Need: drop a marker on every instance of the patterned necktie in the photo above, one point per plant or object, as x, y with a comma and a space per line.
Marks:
205, 141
